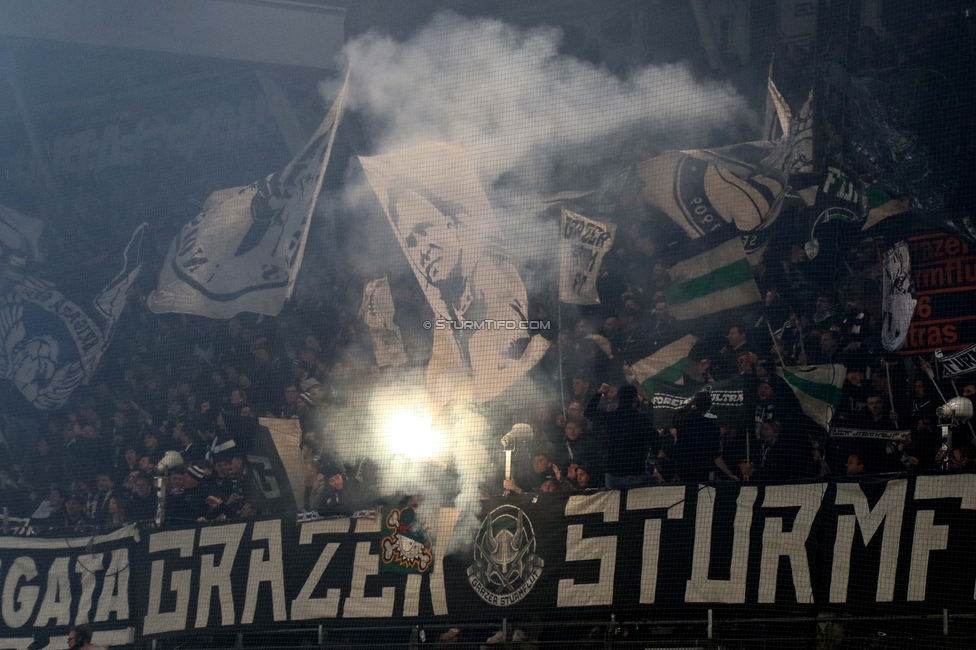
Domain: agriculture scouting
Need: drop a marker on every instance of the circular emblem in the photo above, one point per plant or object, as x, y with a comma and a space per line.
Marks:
506, 565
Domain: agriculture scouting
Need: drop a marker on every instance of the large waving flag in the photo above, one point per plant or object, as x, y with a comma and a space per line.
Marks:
793, 153
741, 186
50, 342
243, 252
667, 364
818, 388
446, 228
714, 281
704, 191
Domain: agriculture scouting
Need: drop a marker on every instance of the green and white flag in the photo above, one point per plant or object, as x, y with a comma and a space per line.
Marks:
712, 282
880, 206
667, 364
818, 388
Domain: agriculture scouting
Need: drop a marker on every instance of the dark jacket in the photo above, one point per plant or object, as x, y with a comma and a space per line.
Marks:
697, 446
584, 451
345, 501
790, 458
185, 508
141, 508
194, 453
628, 436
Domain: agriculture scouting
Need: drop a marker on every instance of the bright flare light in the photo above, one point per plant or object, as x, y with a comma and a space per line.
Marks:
412, 435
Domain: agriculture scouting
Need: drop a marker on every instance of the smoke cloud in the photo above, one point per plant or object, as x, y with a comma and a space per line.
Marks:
537, 122
525, 111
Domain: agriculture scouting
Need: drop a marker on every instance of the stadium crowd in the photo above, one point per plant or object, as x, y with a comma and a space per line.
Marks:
190, 385
194, 386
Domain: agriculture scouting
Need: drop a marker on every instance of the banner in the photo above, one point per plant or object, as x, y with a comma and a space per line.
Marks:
50, 343
899, 301
407, 546
959, 363
670, 550
728, 400
870, 434
445, 225
377, 311
286, 436
243, 251
944, 274
49, 584
582, 244
269, 474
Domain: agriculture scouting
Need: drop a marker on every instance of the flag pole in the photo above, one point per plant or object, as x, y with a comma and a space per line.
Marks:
931, 375
891, 396
747, 449
559, 325
775, 344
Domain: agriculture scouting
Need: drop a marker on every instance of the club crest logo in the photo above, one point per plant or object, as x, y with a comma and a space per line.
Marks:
506, 565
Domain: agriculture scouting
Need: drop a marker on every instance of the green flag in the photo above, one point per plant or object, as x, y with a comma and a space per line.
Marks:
818, 388
714, 281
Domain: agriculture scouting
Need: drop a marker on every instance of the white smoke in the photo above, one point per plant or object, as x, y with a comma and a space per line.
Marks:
507, 95
533, 118
445, 465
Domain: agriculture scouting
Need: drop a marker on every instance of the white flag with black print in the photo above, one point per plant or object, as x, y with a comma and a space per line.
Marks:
446, 228
377, 311
52, 339
899, 301
582, 244
243, 251
741, 186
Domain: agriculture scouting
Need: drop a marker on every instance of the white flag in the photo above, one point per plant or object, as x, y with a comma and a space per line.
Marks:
377, 312
445, 225
243, 252
582, 244
50, 342
742, 185
899, 301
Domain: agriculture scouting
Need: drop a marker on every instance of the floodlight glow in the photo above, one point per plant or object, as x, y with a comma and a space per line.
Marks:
412, 434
